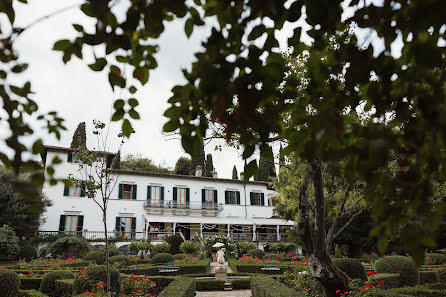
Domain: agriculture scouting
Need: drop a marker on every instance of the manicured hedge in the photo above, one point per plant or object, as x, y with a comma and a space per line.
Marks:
241, 283
427, 277
48, 284
64, 287
79, 264
273, 257
264, 286
209, 285
256, 253
201, 267
181, 287
249, 268
441, 275
30, 283
405, 266
9, 283
390, 280
96, 274
162, 258
420, 291
31, 293
352, 267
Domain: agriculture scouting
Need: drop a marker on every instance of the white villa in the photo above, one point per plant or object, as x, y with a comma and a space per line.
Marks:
153, 206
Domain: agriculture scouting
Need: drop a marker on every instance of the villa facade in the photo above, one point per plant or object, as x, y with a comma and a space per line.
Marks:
153, 206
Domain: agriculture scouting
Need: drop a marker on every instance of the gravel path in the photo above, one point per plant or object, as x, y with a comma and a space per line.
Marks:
237, 293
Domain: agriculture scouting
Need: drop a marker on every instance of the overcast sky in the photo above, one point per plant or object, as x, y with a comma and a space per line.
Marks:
79, 94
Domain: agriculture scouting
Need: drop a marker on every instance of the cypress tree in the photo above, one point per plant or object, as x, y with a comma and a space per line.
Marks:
116, 163
79, 137
234, 173
198, 159
209, 172
266, 165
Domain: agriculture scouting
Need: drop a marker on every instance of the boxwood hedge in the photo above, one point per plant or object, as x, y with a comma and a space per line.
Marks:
386, 280
352, 267
264, 286
30, 283
64, 287
181, 287
405, 266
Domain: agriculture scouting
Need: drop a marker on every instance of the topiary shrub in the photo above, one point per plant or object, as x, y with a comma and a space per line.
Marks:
441, 275
181, 287
162, 258
190, 247
95, 256
119, 261
97, 274
435, 259
9, 283
385, 280
31, 293
272, 257
64, 287
48, 284
245, 246
79, 244
9, 243
279, 247
263, 286
256, 253
28, 252
352, 267
405, 266
174, 241
163, 247
427, 277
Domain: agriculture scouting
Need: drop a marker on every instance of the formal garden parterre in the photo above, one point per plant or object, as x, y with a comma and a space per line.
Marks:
135, 275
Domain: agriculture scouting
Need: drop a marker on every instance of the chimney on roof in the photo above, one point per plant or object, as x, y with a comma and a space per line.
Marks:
214, 174
198, 171
242, 176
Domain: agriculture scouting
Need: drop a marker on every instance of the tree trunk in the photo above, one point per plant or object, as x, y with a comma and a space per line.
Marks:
319, 263
107, 262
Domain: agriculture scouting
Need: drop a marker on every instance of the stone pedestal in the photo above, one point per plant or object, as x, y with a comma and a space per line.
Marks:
221, 273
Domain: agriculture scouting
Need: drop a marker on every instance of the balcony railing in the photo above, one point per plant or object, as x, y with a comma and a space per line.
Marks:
185, 205
97, 235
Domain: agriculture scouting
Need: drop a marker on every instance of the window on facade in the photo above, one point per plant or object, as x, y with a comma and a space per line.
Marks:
181, 197
232, 197
155, 194
71, 223
127, 191
76, 189
209, 198
256, 199
126, 226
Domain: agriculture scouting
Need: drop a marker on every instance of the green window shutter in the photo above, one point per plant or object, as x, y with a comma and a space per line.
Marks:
226, 197
162, 195
203, 198
133, 224
80, 223
70, 158
215, 200
65, 190
134, 192
83, 189
62, 221
187, 197
118, 224
251, 198
149, 194
238, 197
120, 192
262, 199
174, 197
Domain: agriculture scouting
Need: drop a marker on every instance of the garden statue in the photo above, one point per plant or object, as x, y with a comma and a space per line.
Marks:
221, 256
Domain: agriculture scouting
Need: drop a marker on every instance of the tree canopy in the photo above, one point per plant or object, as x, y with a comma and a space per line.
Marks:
79, 137
234, 81
209, 170
140, 163
183, 166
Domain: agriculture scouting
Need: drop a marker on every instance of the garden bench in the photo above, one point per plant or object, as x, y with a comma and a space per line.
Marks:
273, 266
167, 268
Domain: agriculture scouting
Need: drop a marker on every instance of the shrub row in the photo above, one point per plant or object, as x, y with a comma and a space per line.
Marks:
30, 283
421, 291
181, 287
435, 259
48, 284
209, 285
200, 267
427, 277
64, 287
9, 283
264, 286
390, 280
31, 293
96, 274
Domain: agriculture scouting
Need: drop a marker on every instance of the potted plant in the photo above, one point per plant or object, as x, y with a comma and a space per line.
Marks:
144, 248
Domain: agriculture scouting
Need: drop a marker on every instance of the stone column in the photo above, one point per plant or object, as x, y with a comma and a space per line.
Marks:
254, 232
278, 232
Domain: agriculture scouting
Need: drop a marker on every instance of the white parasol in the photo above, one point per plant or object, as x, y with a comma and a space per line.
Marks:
218, 244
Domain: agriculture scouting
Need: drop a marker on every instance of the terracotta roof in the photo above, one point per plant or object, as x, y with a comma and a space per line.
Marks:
203, 178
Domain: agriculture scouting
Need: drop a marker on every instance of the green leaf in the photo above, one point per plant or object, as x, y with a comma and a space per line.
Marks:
132, 90
127, 129
118, 115
257, 32
141, 74
99, 65
119, 104
78, 27
170, 126
133, 102
189, 27
134, 114
62, 45
250, 169
19, 68
37, 146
